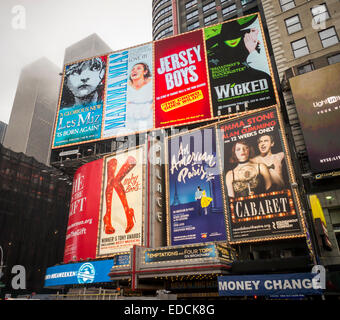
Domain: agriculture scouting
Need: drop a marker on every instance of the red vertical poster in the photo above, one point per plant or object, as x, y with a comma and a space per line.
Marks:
181, 84
81, 235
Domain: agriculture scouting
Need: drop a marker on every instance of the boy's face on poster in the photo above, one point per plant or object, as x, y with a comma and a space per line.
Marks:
84, 80
265, 144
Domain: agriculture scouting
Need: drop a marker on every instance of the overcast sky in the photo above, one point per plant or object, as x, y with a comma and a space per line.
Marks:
31, 29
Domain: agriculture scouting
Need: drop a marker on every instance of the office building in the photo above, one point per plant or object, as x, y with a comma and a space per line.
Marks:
32, 118
3, 128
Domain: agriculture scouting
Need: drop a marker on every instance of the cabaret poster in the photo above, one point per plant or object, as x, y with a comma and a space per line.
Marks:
239, 69
82, 227
195, 210
260, 200
181, 90
129, 99
122, 202
80, 110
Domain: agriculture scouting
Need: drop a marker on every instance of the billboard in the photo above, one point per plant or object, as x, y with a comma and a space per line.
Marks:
81, 234
181, 84
129, 97
79, 116
192, 77
195, 210
269, 284
239, 67
79, 273
122, 201
317, 98
256, 180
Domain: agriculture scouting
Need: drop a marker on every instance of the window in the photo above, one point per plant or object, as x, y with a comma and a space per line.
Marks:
192, 14
190, 4
287, 4
300, 48
305, 68
293, 24
245, 2
229, 9
163, 11
193, 26
320, 13
209, 6
328, 37
160, 4
210, 18
164, 21
334, 59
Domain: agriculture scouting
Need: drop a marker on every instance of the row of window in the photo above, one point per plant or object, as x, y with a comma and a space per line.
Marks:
319, 13
162, 22
163, 11
165, 33
328, 38
159, 4
310, 66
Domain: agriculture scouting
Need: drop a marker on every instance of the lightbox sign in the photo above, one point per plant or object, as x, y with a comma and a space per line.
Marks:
192, 77
317, 98
79, 273
269, 284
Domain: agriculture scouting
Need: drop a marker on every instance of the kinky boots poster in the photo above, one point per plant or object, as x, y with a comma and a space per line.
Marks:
122, 201
260, 201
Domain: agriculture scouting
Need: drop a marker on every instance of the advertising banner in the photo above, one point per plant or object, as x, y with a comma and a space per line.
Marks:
195, 210
257, 187
317, 98
239, 67
184, 253
122, 201
129, 98
80, 110
81, 234
269, 284
79, 273
181, 84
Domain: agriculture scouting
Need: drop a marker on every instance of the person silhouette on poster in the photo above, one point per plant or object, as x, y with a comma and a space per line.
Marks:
198, 197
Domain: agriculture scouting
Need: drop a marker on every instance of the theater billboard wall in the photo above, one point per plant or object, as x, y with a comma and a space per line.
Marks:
169, 82
317, 98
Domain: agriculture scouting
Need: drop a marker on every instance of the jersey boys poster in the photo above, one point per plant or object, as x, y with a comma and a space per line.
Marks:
122, 202
239, 70
81, 106
81, 235
181, 85
256, 182
129, 99
195, 203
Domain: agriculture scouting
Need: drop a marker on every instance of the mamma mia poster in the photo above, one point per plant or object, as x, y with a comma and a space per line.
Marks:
195, 204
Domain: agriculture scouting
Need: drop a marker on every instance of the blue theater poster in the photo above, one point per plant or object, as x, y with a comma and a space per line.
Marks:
195, 205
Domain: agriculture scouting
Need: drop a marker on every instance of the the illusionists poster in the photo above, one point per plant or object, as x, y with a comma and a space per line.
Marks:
181, 89
195, 208
81, 103
260, 200
239, 70
122, 201
129, 99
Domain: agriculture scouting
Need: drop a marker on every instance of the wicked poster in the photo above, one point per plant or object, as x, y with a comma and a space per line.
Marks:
239, 68
195, 203
260, 200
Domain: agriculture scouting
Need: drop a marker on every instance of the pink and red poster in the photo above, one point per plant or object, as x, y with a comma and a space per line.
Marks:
181, 90
81, 235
